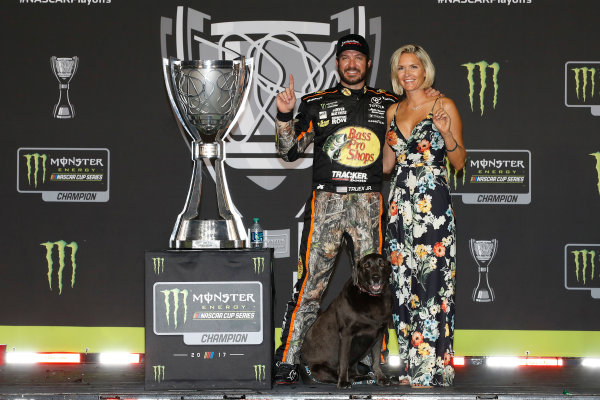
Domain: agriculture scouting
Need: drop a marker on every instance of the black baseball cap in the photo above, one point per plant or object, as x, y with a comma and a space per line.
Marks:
352, 42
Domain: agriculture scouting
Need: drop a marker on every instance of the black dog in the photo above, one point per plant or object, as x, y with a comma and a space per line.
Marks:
352, 326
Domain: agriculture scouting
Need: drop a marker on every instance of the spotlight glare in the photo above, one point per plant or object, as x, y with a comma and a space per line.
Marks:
14, 357
394, 361
503, 362
59, 358
119, 358
591, 362
458, 361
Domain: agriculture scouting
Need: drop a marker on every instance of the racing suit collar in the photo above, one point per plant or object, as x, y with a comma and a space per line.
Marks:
359, 92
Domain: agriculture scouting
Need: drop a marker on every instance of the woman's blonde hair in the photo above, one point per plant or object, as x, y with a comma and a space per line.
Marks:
422, 56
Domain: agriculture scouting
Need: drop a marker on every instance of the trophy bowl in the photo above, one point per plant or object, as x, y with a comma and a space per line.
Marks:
206, 97
209, 94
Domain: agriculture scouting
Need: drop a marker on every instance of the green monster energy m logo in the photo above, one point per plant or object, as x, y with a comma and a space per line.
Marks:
453, 174
585, 261
175, 292
260, 372
159, 373
259, 264
597, 156
159, 265
61, 246
483, 67
581, 81
33, 173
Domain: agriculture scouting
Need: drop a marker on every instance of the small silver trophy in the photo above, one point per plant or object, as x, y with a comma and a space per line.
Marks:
206, 97
483, 252
64, 68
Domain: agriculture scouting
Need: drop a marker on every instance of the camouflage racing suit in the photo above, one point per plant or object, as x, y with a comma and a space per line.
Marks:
348, 130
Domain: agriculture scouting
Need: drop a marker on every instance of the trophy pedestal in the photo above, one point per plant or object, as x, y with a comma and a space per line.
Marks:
209, 322
63, 112
483, 293
205, 234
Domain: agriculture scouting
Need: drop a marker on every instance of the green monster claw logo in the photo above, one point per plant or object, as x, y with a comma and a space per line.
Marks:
159, 373
483, 67
587, 259
584, 74
36, 167
260, 372
158, 264
259, 264
176, 293
597, 155
453, 174
60, 245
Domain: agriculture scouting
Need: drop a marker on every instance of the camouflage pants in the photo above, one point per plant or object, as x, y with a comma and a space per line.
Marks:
328, 218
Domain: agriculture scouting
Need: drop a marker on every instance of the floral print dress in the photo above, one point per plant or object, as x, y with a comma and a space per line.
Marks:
421, 245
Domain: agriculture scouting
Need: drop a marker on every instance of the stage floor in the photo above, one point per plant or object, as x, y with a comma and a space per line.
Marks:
95, 381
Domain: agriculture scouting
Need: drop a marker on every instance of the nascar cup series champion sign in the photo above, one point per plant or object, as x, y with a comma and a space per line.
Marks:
221, 312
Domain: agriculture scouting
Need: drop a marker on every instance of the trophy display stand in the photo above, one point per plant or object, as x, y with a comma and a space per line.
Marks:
208, 319
208, 299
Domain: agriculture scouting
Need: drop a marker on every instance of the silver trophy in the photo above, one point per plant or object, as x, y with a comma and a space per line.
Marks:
483, 252
64, 68
206, 97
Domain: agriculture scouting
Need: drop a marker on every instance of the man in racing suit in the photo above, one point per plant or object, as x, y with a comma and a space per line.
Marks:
347, 124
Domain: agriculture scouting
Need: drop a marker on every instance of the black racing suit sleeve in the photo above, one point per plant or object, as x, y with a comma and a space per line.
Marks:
292, 136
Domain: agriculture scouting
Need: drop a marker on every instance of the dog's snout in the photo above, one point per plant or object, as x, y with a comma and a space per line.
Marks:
376, 277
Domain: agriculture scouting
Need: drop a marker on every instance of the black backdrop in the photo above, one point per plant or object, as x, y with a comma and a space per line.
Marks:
120, 105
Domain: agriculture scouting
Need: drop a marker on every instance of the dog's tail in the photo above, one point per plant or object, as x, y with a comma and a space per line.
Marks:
350, 246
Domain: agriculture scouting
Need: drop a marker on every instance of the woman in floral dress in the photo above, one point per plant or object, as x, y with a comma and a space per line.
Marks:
421, 240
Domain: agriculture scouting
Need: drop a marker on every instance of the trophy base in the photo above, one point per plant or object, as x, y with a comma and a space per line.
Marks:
206, 234
208, 244
483, 296
63, 112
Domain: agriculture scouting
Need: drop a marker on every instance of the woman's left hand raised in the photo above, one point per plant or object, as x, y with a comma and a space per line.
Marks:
441, 119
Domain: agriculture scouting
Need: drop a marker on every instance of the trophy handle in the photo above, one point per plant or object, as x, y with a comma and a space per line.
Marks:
495, 242
227, 209
168, 71
472, 250
75, 66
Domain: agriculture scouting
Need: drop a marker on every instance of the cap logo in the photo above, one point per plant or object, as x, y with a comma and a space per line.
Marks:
351, 42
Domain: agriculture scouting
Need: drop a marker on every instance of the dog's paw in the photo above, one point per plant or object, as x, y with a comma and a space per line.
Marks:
383, 381
344, 385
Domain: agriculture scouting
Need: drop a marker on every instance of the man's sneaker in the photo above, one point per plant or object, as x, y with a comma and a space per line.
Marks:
285, 374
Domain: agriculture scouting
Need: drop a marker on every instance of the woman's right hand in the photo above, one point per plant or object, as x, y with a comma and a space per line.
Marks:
286, 100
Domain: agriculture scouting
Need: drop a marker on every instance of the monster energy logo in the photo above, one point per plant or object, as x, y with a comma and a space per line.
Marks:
260, 372
584, 259
483, 67
597, 155
159, 373
259, 264
158, 264
175, 293
60, 245
581, 85
453, 174
36, 167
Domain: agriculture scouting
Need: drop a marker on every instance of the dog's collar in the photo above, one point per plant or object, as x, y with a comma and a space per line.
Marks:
362, 289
